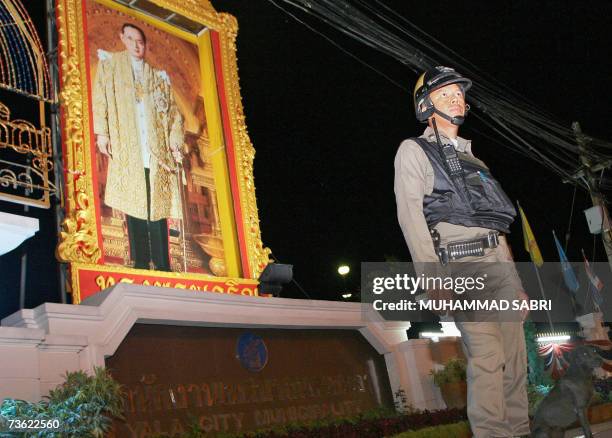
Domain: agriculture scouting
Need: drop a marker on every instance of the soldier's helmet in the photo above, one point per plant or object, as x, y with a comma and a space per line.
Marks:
432, 80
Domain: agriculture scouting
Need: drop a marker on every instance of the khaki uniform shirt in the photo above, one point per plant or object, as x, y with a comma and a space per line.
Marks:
414, 178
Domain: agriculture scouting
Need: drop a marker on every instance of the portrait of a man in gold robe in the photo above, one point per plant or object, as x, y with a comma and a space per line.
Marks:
138, 127
153, 168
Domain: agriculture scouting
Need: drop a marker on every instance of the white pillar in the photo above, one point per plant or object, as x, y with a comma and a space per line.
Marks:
409, 365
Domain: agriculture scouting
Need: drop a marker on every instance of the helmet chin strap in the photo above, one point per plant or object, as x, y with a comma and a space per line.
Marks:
457, 120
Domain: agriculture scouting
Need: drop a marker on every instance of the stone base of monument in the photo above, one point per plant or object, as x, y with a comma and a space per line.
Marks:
234, 363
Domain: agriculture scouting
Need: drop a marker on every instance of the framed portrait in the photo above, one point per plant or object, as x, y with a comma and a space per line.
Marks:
158, 165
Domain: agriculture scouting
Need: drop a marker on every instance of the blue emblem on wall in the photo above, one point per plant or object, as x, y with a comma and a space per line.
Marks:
252, 352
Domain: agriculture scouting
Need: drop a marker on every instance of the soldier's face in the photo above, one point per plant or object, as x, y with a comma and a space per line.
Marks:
449, 100
134, 42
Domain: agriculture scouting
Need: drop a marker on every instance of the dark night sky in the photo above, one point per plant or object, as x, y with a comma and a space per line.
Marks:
326, 128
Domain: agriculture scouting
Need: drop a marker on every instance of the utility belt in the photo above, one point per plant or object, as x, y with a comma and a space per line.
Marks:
463, 248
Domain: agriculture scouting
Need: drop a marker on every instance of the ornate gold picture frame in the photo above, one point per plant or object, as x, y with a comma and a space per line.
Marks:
229, 255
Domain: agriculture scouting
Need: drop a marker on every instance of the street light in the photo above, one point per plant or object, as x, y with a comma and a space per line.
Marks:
343, 270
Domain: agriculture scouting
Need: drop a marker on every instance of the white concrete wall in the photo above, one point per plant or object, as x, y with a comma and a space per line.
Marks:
38, 346
20, 362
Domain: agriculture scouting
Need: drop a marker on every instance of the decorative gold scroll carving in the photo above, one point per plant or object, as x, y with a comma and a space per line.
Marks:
245, 152
79, 240
23, 137
24, 176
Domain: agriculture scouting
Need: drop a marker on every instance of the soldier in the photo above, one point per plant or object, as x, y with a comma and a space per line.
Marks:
450, 208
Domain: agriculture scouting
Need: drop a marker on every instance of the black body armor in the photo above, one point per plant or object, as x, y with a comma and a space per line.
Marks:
472, 199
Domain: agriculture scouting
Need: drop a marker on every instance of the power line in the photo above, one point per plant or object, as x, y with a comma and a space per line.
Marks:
529, 130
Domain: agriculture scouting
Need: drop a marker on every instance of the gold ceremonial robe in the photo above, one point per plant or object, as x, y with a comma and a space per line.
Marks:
114, 115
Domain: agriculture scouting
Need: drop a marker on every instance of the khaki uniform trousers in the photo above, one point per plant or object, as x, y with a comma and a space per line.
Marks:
496, 354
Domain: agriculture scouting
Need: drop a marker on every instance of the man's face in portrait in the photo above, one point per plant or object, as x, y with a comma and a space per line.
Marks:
134, 42
449, 100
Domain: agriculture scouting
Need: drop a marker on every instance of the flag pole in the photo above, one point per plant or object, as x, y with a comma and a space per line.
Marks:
589, 293
573, 293
537, 271
531, 246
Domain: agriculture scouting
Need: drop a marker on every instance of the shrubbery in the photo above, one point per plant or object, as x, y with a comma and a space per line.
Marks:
454, 371
535, 394
83, 405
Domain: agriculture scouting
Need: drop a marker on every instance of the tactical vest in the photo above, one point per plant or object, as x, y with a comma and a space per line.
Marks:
477, 200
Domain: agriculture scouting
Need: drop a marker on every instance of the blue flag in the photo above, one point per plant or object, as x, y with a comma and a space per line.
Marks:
568, 273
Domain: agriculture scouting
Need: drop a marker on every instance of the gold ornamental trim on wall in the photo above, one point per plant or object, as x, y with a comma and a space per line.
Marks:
23, 62
26, 162
79, 225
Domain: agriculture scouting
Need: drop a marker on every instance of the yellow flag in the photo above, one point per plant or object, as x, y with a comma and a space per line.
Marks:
531, 246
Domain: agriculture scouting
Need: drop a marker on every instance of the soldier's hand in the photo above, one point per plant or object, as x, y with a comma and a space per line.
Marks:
523, 297
104, 146
443, 295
